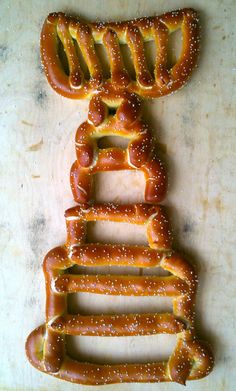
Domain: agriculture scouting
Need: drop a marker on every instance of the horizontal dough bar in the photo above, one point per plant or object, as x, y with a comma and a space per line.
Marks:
122, 285
118, 325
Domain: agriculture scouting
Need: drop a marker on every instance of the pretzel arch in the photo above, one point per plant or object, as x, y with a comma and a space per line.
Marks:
77, 35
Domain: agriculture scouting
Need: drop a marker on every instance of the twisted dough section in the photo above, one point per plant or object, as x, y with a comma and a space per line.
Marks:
140, 154
77, 36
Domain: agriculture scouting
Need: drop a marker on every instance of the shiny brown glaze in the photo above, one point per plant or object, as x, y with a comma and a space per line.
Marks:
72, 33
46, 345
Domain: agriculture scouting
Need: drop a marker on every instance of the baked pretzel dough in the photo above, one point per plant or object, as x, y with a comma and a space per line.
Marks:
140, 153
77, 35
191, 359
46, 346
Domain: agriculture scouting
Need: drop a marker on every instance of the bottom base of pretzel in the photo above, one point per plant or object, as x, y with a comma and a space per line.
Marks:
100, 374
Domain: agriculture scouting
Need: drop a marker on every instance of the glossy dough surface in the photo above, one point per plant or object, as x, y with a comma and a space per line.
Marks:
46, 346
75, 35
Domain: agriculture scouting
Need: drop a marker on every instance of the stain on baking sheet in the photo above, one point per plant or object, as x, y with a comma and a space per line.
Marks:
219, 204
188, 227
35, 147
24, 122
4, 52
41, 96
187, 119
217, 27
33, 302
215, 203
188, 140
36, 230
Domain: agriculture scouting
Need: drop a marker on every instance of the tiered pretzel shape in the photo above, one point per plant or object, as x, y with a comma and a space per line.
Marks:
46, 345
80, 36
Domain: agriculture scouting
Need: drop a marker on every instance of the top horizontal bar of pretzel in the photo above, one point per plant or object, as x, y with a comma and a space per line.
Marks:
78, 36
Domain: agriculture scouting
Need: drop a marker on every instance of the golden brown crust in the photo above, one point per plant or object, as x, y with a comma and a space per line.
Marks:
46, 345
140, 153
191, 359
159, 234
74, 33
121, 285
118, 325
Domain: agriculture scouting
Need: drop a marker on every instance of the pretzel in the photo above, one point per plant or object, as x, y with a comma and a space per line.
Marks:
76, 35
139, 154
46, 345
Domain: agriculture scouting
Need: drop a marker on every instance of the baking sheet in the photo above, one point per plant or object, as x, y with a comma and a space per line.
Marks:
196, 130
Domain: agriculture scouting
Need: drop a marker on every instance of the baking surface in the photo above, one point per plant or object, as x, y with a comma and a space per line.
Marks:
196, 131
